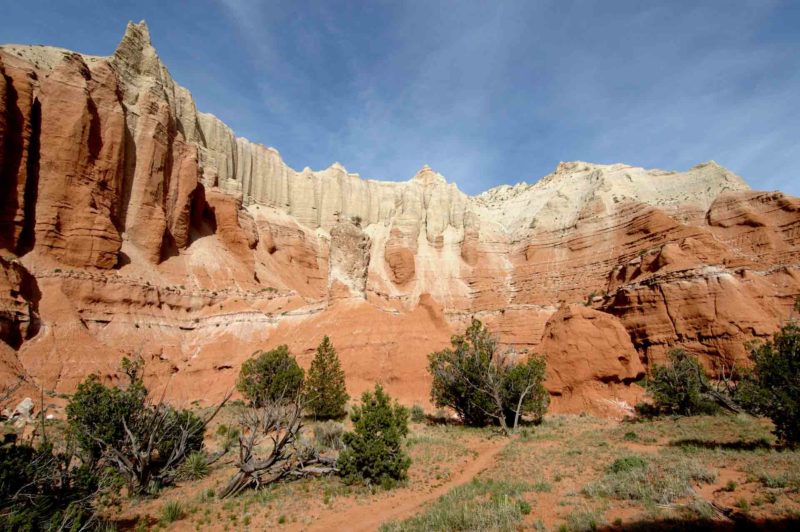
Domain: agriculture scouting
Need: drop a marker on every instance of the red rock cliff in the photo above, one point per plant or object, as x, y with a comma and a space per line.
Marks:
131, 223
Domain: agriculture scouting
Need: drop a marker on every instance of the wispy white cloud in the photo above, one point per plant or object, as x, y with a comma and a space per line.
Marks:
492, 93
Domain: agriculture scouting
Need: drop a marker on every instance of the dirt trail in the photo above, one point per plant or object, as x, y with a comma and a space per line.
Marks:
406, 502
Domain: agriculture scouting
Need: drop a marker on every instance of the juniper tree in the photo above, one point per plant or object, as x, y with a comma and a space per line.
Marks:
772, 388
484, 385
374, 450
120, 428
327, 394
269, 376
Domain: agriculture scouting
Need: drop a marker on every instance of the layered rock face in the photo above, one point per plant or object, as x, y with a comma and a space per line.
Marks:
132, 224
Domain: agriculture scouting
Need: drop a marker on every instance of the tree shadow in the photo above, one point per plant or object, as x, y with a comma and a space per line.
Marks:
749, 445
434, 419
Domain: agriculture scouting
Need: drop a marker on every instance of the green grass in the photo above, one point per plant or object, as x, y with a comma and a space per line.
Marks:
742, 504
171, 512
194, 467
479, 505
583, 520
659, 480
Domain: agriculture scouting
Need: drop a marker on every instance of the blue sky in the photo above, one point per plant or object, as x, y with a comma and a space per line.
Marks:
485, 92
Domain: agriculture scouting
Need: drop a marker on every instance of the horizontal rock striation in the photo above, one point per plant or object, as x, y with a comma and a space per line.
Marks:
131, 223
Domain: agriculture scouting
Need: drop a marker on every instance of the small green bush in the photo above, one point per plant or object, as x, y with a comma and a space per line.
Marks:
631, 436
270, 376
627, 463
417, 414
524, 507
742, 504
110, 421
374, 450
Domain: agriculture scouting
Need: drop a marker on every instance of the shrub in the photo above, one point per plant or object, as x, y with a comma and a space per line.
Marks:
773, 386
327, 394
329, 435
374, 450
417, 414
43, 490
95, 412
175, 423
270, 376
677, 387
627, 463
145, 443
483, 386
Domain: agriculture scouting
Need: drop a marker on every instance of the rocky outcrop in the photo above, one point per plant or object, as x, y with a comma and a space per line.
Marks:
349, 257
140, 225
19, 302
591, 362
81, 142
399, 256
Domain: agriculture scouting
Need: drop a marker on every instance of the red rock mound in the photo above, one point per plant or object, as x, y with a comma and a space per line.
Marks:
591, 362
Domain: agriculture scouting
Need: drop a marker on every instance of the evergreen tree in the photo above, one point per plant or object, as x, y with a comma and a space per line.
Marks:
484, 385
773, 386
374, 450
678, 387
327, 394
270, 376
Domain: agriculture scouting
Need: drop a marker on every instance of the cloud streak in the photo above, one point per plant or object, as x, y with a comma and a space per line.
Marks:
486, 93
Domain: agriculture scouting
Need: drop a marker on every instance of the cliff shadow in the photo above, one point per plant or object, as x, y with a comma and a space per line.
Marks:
203, 220
27, 237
